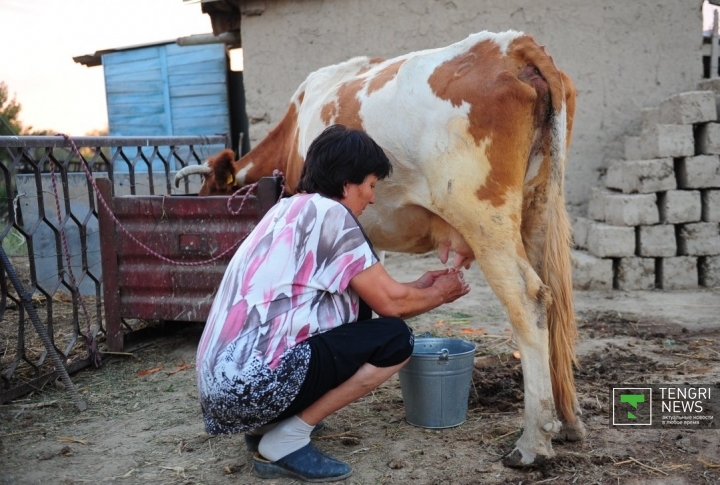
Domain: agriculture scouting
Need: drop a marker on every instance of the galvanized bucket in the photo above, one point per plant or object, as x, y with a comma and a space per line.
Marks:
436, 382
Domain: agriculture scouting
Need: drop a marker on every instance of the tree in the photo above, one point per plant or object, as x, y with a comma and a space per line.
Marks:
9, 111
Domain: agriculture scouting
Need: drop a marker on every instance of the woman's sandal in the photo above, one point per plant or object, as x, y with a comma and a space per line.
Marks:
307, 464
252, 441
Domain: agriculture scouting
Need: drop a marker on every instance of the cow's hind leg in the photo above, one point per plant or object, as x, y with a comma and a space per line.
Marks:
494, 235
526, 299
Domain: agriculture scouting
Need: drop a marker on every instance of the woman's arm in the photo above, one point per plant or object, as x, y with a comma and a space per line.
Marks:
390, 298
427, 279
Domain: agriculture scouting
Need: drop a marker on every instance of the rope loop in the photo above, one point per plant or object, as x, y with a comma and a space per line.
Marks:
245, 191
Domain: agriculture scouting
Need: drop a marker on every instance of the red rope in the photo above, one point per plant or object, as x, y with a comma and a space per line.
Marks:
247, 189
93, 352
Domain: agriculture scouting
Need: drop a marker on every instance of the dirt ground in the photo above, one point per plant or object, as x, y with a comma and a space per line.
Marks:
143, 425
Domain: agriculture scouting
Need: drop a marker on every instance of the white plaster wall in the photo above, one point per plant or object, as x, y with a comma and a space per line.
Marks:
623, 55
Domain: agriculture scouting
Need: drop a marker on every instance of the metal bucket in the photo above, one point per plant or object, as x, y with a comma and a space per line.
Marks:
436, 382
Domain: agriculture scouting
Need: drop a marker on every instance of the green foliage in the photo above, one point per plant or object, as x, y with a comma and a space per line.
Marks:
9, 111
14, 243
10, 114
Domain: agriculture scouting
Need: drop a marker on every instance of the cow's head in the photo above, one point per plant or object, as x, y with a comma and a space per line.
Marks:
221, 178
218, 174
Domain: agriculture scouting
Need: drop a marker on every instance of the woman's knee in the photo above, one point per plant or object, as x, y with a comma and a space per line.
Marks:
398, 345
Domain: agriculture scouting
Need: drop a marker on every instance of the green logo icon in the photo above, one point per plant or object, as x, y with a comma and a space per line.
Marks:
633, 400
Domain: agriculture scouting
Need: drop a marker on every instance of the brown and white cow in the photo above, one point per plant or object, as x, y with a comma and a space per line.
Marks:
477, 133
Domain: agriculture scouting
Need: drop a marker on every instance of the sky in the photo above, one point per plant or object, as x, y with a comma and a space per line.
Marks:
39, 38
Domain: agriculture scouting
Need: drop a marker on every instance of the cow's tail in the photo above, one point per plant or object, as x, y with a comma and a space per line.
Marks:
556, 269
555, 263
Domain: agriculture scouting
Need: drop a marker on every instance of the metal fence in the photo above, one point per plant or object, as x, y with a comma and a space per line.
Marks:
49, 231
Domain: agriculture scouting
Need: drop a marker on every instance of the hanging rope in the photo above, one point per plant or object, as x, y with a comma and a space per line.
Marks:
93, 352
244, 191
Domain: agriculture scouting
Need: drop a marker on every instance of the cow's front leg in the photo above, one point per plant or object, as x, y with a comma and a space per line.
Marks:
526, 300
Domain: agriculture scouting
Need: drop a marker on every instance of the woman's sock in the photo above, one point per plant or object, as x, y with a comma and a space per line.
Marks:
288, 436
262, 429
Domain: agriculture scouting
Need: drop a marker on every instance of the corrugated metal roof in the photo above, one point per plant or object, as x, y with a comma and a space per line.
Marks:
91, 60
231, 39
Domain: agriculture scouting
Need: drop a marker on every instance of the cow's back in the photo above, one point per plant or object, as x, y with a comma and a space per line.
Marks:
429, 110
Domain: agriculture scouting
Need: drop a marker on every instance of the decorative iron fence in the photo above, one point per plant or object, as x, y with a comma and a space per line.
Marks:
50, 234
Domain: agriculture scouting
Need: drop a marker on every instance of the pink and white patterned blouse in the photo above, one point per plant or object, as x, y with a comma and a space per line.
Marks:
288, 281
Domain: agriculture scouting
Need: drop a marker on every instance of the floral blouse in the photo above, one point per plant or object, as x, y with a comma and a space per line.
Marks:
288, 281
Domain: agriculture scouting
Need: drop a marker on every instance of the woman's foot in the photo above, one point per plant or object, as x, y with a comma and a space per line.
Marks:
252, 441
307, 464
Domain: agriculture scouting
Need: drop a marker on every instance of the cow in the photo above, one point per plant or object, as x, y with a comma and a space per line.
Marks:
478, 134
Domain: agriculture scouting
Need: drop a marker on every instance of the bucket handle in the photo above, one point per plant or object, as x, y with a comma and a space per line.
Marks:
444, 355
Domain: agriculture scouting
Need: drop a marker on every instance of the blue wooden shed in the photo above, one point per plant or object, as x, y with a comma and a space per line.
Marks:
164, 89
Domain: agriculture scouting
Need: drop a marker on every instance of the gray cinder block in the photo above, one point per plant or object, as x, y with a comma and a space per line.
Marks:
680, 206
580, 228
636, 274
708, 139
699, 239
631, 210
709, 269
591, 273
656, 241
711, 205
641, 176
661, 141
677, 273
688, 108
596, 204
714, 86
700, 172
632, 148
605, 241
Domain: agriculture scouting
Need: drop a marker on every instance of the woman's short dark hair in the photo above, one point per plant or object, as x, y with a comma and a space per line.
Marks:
341, 155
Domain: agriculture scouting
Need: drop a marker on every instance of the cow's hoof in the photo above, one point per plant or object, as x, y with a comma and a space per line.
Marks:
571, 432
518, 459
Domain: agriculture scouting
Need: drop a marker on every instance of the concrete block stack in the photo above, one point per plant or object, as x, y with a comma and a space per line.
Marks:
656, 223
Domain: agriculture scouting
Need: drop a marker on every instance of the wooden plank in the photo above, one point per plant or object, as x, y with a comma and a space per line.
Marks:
131, 129
133, 76
202, 125
201, 79
130, 66
150, 120
135, 109
199, 100
199, 112
135, 87
131, 55
215, 67
136, 125
215, 88
123, 99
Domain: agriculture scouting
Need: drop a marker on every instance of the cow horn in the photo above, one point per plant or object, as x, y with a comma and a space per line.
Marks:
190, 170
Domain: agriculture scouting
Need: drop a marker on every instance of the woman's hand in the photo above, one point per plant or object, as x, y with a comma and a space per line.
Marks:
452, 285
389, 298
427, 280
